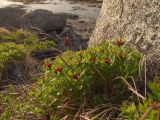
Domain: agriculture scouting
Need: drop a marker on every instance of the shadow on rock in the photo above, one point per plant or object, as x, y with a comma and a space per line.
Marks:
65, 40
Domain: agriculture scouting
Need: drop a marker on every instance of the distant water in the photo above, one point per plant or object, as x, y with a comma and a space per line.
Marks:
59, 6
6, 3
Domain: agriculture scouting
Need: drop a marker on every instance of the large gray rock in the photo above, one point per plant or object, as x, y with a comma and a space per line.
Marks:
44, 20
11, 17
138, 21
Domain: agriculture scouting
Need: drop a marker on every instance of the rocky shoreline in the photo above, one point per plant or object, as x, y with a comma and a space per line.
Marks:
68, 30
81, 22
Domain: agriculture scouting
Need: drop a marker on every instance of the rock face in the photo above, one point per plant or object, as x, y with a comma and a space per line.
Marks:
44, 20
137, 21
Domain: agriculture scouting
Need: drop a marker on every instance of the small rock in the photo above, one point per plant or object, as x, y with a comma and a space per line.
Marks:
92, 5
82, 21
69, 15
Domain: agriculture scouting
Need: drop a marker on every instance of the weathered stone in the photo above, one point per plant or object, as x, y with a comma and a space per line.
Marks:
69, 16
17, 18
137, 21
44, 20
10, 17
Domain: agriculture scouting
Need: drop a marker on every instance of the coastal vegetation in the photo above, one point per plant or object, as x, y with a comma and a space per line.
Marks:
88, 84
52, 68
16, 46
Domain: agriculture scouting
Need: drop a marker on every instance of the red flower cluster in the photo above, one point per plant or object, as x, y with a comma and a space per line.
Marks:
58, 70
75, 76
92, 60
107, 60
48, 65
120, 42
66, 41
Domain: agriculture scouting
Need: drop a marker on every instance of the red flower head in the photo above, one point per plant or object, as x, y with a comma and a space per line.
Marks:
120, 42
48, 65
92, 60
75, 76
58, 70
66, 41
107, 60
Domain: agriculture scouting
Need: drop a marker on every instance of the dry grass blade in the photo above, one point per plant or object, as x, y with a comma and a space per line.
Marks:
145, 80
134, 83
131, 88
102, 112
99, 72
65, 118
85, 118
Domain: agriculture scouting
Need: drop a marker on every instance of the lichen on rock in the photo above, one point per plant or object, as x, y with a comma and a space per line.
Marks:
137, 21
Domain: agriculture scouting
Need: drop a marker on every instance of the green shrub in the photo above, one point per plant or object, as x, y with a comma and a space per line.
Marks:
20, 37
147, 109
16, 45
84, 79
10, 51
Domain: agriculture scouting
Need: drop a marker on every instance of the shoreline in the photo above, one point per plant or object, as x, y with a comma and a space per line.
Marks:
81, 16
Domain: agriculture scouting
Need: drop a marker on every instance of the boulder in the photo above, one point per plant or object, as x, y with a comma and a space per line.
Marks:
11, 17
41, 19
137, 21
44, 20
